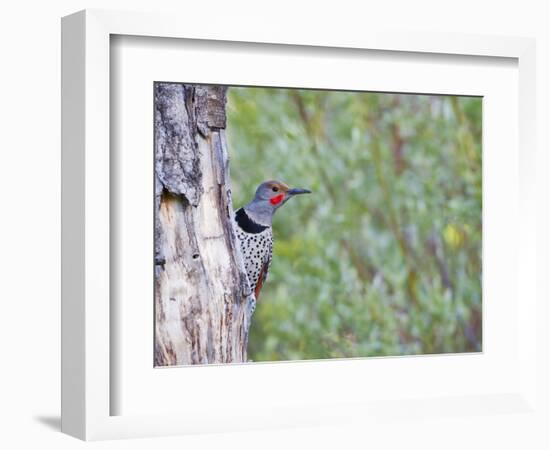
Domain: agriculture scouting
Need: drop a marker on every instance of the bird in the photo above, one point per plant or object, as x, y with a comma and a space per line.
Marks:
254, 232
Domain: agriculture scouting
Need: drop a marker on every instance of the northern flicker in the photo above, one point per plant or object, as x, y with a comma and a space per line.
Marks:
253, 228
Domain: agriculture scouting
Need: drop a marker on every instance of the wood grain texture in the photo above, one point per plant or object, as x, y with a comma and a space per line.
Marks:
202, 297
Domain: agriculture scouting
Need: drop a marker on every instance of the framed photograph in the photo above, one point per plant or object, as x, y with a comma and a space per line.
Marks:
344, 219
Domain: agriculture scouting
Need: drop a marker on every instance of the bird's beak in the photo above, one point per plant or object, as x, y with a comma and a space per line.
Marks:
297, 191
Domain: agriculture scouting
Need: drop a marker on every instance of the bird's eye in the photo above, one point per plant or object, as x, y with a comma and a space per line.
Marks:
274, 188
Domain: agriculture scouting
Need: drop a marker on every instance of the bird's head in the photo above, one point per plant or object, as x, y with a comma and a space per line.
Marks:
270, 196
276, 193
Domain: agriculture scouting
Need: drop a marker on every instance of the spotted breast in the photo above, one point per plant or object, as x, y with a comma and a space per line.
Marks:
256, 242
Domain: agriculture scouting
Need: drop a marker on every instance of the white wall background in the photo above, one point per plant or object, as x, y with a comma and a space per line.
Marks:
29, 235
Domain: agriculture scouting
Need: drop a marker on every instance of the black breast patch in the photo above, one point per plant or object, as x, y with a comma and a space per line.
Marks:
247, 224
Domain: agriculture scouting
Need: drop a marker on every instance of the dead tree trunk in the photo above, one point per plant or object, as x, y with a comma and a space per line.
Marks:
202, 297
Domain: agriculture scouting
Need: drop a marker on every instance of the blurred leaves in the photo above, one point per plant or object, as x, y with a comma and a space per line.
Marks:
384, 258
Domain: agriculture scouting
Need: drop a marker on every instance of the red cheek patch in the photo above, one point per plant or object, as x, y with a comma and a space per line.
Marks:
277, 199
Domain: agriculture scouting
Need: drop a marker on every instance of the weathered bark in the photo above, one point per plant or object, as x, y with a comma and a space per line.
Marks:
202, 297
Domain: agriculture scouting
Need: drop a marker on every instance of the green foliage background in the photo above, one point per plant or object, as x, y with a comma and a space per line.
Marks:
384, 257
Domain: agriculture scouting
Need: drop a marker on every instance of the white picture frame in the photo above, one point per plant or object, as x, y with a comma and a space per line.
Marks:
87, 384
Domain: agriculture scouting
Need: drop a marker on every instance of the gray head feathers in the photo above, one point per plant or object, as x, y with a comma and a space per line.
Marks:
269, 197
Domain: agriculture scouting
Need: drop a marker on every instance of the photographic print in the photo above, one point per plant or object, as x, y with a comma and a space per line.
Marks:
306, 224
